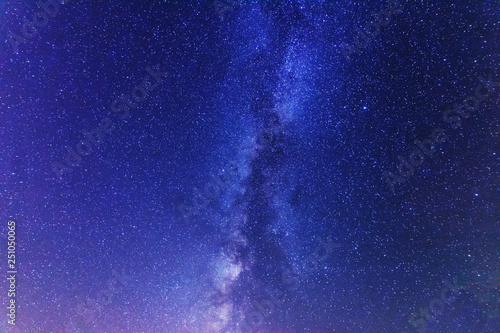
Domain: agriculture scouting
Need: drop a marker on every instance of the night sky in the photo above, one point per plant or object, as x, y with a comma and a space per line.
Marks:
251, 166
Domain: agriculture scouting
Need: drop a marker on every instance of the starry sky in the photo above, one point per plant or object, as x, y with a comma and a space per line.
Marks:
251, 166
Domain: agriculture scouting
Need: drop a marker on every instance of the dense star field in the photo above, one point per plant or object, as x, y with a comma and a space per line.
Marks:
250, 166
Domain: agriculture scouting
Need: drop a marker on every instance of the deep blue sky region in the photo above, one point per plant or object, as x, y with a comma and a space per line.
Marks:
250, 166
